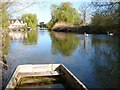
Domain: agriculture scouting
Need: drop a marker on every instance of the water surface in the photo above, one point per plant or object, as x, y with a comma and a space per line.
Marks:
93, 59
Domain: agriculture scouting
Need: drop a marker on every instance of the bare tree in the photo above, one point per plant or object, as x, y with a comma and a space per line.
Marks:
13, 7
84, 11
108, 9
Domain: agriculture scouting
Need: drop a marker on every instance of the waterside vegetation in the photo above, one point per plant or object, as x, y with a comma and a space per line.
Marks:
30, 19
105, 18
65, 12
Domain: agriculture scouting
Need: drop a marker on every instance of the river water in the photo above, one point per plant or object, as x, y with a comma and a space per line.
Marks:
93, 59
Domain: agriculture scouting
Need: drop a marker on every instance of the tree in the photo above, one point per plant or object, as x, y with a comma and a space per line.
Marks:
64, 12
9, 7
103, 20
4, 15
84, 10
42, 25
117, 11
13, 6
106, 13
30, 19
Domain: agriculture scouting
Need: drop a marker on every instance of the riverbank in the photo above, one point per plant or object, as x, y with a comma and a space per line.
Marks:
3, 45
0, 59
90, 29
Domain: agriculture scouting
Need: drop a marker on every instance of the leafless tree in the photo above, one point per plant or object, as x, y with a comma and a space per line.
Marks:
13, 7
84, 11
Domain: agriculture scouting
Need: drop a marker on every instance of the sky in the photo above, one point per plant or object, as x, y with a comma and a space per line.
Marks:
42, 9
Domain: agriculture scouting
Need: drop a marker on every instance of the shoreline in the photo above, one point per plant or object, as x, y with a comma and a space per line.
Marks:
89, 29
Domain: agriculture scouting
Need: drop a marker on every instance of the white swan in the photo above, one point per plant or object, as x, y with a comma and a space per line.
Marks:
85, 34
110, 33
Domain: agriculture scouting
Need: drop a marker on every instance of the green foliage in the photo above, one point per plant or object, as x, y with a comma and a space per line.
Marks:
64, 12
42, 25
106, 14
64, 43
101, 20
50, 24
30, 19
6, 43
4, 15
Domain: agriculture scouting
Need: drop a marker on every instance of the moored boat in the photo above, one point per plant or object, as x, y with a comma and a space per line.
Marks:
44, 70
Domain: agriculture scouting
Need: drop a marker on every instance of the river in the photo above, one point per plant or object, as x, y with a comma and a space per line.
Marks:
93, 59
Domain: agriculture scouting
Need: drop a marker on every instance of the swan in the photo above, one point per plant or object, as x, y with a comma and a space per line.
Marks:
111, 34
85, 34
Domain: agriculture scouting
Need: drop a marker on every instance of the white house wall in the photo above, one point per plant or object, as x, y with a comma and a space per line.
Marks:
17, 24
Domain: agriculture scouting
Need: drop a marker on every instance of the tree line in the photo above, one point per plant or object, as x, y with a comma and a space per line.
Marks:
104, 15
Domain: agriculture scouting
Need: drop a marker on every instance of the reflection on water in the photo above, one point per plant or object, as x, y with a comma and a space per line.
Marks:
64, 43
31, 38
17, 35
106, 63
93, 59
28, 38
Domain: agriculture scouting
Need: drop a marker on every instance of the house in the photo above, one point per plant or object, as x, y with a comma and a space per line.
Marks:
16, 23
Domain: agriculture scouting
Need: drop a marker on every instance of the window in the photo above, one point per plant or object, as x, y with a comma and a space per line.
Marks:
13, 26
21, 21
12, 21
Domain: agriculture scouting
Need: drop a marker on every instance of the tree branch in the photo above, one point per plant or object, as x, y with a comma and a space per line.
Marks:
22, 8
